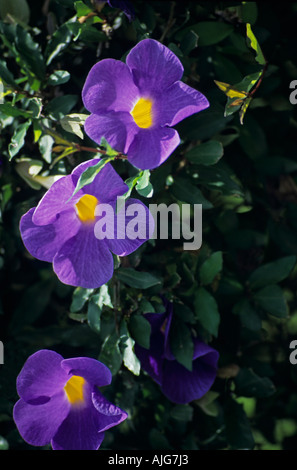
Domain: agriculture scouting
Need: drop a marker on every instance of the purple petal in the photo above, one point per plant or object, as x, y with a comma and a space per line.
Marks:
210, 355
152, 359
43, 241
117, 128
54, 201
37, 424
41, 376
154, 66
109, 87
110, 415
92, 370
151, 147
107, 185
84, 261
179, 102
183, 386
79, 431
123, 242
124, 5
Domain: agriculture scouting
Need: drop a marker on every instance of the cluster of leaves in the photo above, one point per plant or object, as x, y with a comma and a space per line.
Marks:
238, 292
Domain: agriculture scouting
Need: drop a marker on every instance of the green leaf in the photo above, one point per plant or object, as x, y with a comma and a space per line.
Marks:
238, 430
58, 43
189, 42
272, 300
140, 329
45, 144
6, 75
29, 52
206, 311
248, 316
209, 32
61, 105
31, 305
110, 353
253, 43
137, 279
143, 185
88, 176
3, 444
185, 191
249, 384
211, 267
79, 298
182, 413
81, 8
9, 110
16, 9
181, 343
73, 123
59, 77
95, 307
18, 139
272, 273
208, 153
94, 313
127, 346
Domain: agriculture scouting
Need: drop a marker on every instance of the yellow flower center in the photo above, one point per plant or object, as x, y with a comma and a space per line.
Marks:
74, 389
142, 113
85, 208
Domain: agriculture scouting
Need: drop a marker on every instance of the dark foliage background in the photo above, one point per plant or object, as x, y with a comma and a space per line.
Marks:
238, 291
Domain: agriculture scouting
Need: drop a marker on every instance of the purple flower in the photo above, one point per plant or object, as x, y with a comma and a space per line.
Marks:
62, 229
134, 105
60, 403
124, 5
177, 383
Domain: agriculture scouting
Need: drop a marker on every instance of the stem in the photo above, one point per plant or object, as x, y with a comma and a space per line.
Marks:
251, 94
82, 148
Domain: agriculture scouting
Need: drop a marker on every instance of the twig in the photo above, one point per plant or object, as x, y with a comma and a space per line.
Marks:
170, 22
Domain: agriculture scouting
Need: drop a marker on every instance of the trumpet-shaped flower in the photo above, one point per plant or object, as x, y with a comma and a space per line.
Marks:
177, 383
62, 228
124, 5
135, 105
60, 403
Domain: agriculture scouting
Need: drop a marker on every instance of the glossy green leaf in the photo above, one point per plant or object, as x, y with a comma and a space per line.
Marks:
206, 311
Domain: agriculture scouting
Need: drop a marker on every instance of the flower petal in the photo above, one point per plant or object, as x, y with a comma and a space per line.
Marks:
151, 147
123, 243
154, 66
179, 102
41, 375
183, 386
110, 415
79, 431
109, 87
117, 128
152, 359
54, 201
107, 185
84, 261
92, 370
43, 241
37, 424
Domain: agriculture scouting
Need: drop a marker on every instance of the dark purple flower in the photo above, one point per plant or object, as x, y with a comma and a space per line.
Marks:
60, 403
124, 5
62, 229
177, 383
135, 105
